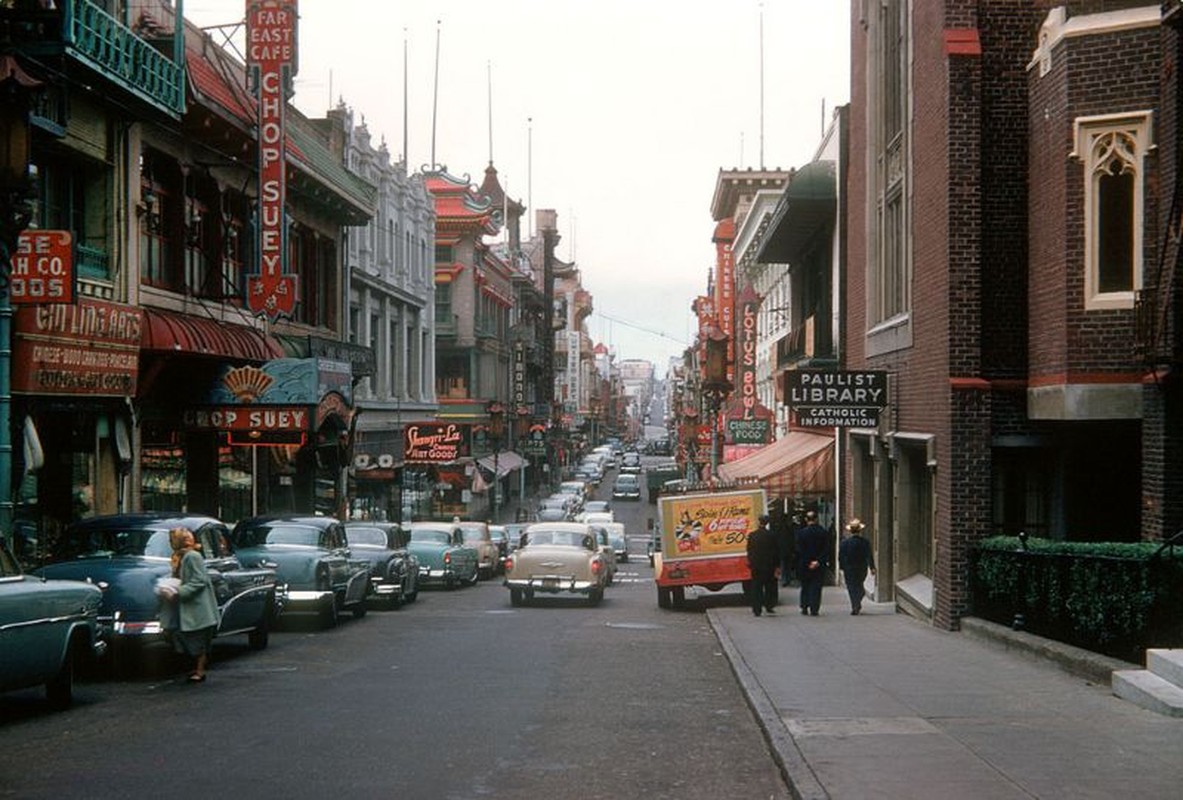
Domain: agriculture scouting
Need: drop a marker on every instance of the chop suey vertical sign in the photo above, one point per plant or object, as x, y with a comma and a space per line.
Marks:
271, 56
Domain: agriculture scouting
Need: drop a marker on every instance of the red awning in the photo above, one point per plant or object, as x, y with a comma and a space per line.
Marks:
796, 464
170, 332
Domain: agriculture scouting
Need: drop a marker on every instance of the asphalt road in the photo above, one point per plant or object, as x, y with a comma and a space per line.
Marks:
455, 696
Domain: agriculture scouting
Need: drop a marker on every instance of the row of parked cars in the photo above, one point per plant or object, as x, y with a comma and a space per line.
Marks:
94, 588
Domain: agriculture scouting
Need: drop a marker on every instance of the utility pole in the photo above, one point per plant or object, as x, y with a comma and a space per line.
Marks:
550, 240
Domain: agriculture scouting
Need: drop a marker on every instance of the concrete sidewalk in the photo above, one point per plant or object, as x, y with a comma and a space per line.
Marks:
882, 705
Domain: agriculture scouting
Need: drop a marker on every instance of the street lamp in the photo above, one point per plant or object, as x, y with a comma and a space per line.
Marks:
715, 387
496, 413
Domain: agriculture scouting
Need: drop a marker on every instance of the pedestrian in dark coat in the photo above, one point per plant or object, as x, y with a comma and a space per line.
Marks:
763, 558
782, 529
855, 559
813, 558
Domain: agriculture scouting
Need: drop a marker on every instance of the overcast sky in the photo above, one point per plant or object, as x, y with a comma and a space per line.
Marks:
618, 114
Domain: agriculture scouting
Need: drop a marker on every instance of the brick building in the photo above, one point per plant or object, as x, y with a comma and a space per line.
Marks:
1006, 230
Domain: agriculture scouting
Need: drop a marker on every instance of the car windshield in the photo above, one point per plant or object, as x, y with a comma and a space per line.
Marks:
497, 535
281, 534
625, 481
371, 536
567, 538
432, 535
82, 543
596, 506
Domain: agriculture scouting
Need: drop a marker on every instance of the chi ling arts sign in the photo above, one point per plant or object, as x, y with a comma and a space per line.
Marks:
836, 398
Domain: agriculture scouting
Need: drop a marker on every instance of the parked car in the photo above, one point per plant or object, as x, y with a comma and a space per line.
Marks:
394, 571
444, 559
312, 557
476, 535
47, 629
556, 558
555, 508
590, 474
619, 540
126, 553
626, 487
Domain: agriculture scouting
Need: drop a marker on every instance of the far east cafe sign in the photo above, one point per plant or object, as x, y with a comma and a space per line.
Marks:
271, 55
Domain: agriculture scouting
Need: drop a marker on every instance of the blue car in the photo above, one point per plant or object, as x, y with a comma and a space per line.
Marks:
394, 571
444, 559
125, 554
312, 557
47, 629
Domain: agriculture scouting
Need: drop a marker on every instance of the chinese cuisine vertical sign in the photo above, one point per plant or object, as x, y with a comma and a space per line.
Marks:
271, 56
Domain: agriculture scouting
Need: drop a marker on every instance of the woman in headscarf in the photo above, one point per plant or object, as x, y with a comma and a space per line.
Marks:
197, 605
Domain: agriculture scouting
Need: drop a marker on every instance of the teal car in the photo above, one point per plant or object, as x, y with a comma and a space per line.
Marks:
47, 629
444, 559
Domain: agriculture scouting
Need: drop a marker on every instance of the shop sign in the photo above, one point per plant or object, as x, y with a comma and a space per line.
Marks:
749, 431
836, 398
519, 373
246, 418
91, 348
434, 443
271, 55
43, 268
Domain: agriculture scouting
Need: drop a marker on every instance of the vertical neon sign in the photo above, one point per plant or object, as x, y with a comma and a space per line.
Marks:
271, 55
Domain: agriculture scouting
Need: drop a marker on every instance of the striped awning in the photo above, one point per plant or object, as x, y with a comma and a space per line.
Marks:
797, 464
505, 463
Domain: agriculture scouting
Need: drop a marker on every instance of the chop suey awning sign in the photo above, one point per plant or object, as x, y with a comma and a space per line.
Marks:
836, 398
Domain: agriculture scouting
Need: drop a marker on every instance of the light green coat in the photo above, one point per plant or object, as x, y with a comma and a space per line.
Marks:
196, 602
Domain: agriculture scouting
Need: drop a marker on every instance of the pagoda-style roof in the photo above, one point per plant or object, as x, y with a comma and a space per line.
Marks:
459, 207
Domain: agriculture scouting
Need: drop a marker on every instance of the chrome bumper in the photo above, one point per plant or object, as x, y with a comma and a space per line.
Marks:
312, 597
553, 584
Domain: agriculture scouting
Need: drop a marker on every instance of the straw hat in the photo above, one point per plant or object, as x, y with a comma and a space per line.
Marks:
854, 525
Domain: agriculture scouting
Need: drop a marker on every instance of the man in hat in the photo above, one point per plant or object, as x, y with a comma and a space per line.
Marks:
854, 559
813, 557
763, 557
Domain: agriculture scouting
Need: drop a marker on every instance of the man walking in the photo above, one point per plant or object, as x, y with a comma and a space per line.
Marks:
763, 556
813, 557
854, 559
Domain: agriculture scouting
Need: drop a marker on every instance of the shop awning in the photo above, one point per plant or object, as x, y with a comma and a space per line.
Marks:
171, 332
808, 205
796, 464
507, 462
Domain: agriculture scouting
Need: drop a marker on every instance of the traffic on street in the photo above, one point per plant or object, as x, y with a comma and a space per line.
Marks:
461, 693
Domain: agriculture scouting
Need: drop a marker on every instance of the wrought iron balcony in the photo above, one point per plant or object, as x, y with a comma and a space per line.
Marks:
92, 262
87, 34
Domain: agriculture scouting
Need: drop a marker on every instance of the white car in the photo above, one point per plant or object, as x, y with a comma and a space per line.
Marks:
557, 558
619, 539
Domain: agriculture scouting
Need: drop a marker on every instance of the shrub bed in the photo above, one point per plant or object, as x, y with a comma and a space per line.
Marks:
1113, 598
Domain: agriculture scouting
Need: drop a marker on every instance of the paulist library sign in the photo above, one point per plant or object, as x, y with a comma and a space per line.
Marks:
836, 398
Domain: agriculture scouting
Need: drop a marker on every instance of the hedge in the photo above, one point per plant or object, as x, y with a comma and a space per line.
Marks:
1108, 597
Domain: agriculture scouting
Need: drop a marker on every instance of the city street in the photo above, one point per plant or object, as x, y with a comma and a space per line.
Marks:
455, 696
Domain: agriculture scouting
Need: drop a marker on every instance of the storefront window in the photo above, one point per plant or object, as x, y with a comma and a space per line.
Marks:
234, 482
163, 473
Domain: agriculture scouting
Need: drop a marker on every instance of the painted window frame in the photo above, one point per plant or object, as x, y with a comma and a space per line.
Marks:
1099, 141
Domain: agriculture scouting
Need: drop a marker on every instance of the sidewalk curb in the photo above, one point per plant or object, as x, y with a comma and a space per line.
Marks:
794, 769
1093, 667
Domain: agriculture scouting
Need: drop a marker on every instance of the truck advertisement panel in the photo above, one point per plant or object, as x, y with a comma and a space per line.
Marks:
703, 541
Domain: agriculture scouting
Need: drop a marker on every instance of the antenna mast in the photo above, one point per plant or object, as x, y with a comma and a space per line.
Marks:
435, 95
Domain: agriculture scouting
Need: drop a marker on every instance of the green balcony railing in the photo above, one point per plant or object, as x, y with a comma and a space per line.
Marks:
97, 39
92, 262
